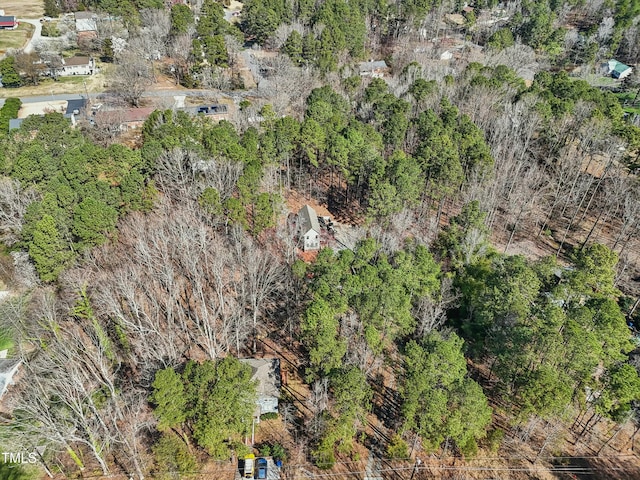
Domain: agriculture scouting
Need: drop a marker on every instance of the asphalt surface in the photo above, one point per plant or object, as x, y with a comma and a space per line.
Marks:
155, 93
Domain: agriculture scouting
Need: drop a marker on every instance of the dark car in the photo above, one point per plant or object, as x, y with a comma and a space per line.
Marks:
261, 468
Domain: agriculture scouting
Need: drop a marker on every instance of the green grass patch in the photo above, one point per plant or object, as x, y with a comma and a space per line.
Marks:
6, 340
626, 99
15, 38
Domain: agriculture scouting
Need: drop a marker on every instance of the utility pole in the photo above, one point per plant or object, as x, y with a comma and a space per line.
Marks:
253, 430
415, 467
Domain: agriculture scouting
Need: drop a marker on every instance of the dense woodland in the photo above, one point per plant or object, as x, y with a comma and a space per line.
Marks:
140, 275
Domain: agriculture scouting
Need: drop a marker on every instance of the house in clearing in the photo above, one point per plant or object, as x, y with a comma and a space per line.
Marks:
65, 67
266, 371
373, 69
78, 65
618, 69
309, 228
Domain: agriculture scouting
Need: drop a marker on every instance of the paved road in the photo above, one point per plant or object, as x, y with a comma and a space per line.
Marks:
155, 93
37, 34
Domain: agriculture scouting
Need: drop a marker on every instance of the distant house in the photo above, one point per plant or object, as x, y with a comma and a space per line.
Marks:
8, 22
375, 69
74, 109
618, 69
123, 119
266, 371
77, 66
309, 228
75, 106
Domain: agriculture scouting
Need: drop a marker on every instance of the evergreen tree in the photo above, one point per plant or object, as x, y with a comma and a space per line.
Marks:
48, 249
169, 399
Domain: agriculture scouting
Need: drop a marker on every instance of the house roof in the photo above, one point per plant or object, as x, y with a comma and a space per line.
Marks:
137, 114
308, 219
621, 67
76, 61
616, 66
124, 115
86, 25
84, 15
14, 123
368, 66
7, 19
267, 372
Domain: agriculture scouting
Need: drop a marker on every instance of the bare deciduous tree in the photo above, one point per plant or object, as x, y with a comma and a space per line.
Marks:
14, 200
430, 312
132, 76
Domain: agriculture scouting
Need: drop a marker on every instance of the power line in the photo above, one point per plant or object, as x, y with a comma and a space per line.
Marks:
576, 469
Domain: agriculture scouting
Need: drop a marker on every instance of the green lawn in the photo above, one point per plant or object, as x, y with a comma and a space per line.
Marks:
6, 342
15, 38
627, 101
599, 80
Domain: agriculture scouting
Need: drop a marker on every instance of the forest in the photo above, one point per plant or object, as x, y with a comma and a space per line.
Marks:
488, 305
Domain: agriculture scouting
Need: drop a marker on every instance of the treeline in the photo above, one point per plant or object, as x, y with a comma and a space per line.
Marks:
81, 190
546, 336
364, 306
200, 269
353, 27
214, 400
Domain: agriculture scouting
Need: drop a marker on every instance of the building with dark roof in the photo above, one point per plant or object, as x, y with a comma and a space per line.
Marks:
75, 106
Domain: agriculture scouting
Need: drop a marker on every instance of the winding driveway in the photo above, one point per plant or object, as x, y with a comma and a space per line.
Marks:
37, 33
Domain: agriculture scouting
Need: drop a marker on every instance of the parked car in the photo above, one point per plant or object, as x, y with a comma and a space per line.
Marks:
249, 466
261, 468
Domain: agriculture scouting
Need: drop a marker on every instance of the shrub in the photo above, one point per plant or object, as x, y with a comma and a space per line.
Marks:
494, 439
278, 452
173, 457
397, 448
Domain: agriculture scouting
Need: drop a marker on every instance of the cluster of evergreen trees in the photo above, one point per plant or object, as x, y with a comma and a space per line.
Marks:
213, 402
82, 189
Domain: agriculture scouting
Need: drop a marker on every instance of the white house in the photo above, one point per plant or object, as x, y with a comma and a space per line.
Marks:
77, 66
309, 228
267, 373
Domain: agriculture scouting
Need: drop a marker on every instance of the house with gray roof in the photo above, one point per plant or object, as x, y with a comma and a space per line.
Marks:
309, 228
374, 69
266, 371
86, 22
